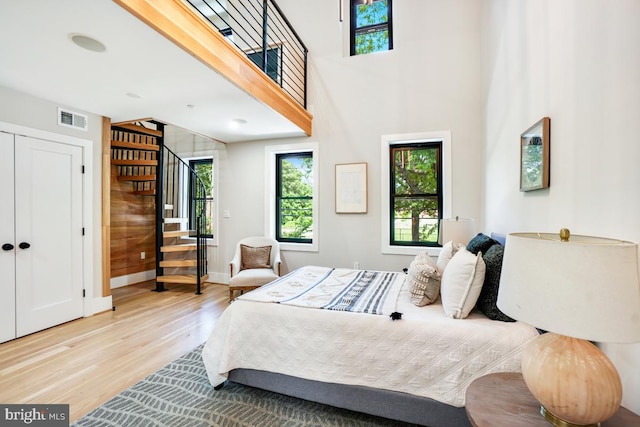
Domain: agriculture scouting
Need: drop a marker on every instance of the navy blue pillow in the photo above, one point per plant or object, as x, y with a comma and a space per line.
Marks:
488, 299
481, 243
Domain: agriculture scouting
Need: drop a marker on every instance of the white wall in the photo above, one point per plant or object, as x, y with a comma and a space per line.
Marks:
577, 62
29, 111
428, 82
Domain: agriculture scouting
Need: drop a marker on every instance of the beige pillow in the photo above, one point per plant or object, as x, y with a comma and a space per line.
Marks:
424, 280
461, 283
255, 257
446, 253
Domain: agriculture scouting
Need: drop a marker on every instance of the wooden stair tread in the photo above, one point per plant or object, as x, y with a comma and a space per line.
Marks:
139, 129
135, 145
138, 162
176, 220
179, 248
144, 192
179, 263
136, 178
180, 278
177, 233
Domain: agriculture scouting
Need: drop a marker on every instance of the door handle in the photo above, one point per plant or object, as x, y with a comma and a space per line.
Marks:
24, 245
7, 247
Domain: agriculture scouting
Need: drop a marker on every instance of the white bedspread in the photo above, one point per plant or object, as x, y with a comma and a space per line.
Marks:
425, 353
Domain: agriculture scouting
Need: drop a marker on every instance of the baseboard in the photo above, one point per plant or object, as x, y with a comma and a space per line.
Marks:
118, 282
98, 305
215, 277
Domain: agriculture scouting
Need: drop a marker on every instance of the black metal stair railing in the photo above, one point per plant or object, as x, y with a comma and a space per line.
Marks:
263, 33
183, 195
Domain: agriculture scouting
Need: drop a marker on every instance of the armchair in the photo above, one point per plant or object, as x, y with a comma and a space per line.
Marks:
260, 264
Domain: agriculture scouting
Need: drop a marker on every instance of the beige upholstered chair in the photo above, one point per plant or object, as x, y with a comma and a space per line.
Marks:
252, 271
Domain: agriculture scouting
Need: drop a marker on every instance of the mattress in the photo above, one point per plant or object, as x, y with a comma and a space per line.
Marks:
424, 353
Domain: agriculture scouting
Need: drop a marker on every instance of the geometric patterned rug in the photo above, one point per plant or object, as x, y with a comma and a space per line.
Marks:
180, 395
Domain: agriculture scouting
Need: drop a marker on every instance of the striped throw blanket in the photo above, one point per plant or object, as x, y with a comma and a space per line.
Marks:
360, 291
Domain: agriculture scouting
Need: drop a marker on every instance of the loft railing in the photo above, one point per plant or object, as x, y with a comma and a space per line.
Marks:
183, 195
263, 33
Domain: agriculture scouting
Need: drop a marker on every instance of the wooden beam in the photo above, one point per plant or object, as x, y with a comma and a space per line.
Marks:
178, 22
106, 206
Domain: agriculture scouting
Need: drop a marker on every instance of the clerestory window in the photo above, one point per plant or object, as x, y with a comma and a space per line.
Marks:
371, 29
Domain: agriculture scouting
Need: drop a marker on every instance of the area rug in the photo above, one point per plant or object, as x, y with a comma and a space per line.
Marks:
180, 395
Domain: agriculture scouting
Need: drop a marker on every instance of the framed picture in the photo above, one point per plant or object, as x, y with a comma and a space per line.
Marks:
351, 188
534, 156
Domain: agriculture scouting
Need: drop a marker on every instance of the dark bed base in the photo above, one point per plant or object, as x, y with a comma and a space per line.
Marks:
383, 403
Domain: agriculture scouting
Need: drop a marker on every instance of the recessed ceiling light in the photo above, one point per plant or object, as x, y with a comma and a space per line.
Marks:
133, 95
236, 123
88, 43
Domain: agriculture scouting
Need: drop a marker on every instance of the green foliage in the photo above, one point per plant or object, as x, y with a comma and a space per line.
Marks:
204, 171
532, 165
296, 202
374, 39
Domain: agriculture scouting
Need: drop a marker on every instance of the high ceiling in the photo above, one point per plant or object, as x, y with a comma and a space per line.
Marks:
139, 75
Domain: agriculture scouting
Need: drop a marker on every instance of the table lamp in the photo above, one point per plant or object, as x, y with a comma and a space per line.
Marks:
456, 230
579, 289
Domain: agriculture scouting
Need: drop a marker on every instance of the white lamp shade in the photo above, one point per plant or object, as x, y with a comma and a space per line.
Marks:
456, 230
585, 288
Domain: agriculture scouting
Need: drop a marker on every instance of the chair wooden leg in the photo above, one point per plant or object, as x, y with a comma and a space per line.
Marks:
230, 295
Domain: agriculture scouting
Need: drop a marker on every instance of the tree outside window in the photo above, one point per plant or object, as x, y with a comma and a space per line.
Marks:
416, 193
370, 26
294, 197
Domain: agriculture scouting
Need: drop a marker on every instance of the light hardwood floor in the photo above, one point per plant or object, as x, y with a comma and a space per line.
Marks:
87, 361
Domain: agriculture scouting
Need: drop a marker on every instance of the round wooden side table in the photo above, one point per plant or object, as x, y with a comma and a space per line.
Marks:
503, 400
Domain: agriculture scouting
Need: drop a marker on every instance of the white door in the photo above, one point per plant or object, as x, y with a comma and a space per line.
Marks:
48, 233
7, 241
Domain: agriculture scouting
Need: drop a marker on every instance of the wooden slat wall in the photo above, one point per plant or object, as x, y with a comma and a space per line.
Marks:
132, 216
132, 229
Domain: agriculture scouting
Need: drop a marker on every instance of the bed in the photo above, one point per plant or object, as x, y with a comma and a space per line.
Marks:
303, 335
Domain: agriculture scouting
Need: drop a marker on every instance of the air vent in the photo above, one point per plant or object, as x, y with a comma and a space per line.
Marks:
72, 119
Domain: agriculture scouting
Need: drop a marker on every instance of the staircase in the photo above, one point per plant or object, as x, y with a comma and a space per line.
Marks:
141, 158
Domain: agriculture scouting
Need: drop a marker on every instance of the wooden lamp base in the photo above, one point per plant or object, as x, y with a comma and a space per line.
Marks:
574, 381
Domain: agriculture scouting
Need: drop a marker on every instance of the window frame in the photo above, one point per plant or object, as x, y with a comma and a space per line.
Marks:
433, 145
270, 193
387, 141
209, 197
355, 31
280, 197
211, 241
273, 52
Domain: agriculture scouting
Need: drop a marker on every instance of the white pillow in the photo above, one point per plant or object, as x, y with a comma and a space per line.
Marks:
424, 280
461, 283
447, 252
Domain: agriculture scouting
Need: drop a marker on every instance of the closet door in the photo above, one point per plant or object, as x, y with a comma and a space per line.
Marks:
48, 233
7, 241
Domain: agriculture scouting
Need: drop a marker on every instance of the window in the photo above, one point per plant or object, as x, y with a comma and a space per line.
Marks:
370, 26
273, 62
294, 197
416, 191
204, 170
291, 206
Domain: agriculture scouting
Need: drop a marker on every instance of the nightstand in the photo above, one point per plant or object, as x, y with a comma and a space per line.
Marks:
503, 400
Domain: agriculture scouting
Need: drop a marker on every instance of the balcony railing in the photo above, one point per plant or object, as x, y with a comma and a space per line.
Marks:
263, 33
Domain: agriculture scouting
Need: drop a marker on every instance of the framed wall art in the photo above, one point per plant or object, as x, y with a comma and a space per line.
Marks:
534, 156
351, 188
